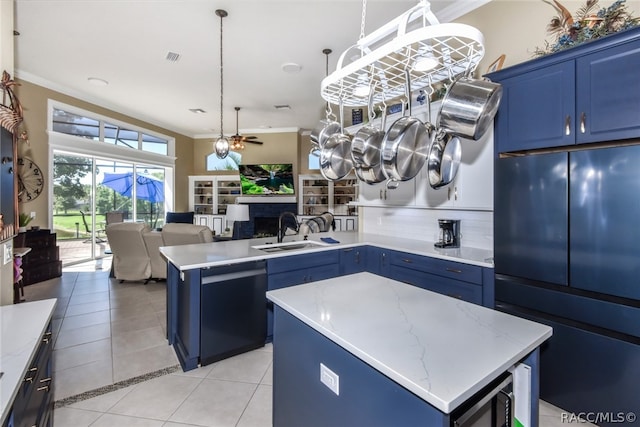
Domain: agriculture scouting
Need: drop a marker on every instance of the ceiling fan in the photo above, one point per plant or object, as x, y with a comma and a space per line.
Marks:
238, 140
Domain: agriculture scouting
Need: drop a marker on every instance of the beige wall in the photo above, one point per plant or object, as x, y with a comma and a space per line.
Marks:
34, 100
6, 64
516, 27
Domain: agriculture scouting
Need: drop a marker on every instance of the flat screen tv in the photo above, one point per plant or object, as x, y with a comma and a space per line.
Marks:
267, 179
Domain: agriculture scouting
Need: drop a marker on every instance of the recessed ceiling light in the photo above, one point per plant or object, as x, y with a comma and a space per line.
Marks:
197, 110
97, 81
282, 107
291, 67
172, 57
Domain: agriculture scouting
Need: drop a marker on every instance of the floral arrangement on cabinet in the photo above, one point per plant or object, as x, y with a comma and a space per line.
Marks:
588, 23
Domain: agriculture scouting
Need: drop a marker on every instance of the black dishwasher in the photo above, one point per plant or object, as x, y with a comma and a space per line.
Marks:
233, 310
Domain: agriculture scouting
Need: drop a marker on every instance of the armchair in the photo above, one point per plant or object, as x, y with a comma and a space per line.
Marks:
131, 260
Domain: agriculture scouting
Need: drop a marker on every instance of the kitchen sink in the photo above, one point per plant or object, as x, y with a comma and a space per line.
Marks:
289, 246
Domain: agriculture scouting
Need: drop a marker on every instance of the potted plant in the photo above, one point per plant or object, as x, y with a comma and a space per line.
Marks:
24, 220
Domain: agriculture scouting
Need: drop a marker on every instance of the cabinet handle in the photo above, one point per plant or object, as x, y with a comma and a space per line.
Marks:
381, 193
583, 122
385, 194
32, 372
453, 270
46, 337
408, 261
358, 257
455, 296
448, 193
455, 193
567, 125
43, 388
45, 380
347, 250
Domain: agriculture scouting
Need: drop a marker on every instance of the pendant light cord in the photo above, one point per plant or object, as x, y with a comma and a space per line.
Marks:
221, 78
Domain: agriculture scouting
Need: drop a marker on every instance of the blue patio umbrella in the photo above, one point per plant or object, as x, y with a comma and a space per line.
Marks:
147, 187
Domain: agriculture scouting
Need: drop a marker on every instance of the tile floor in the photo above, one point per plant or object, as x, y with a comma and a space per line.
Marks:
108, 332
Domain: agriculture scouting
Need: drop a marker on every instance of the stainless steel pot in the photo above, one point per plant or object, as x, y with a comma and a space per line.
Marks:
321, 133
444, 159
469, 106
405, 146
366, 143
335, 155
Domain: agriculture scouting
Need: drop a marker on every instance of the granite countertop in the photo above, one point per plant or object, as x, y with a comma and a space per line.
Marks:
22, 326
186, 257
442, 349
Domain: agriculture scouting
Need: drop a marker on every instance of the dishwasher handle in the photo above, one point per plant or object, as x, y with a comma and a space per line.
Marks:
233, 276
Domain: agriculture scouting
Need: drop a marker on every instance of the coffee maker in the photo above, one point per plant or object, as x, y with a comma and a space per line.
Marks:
449, 233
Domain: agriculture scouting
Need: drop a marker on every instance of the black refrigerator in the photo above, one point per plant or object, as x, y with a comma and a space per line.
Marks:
567, 254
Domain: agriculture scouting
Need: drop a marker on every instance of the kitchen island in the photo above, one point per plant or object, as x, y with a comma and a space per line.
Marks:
391, 354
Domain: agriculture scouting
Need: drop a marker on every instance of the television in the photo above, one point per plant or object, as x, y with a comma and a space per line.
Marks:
267, 179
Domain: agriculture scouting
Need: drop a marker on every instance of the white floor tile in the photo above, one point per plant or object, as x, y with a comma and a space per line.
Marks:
83, 378
259, 411
104, 402
78, 355
112, 420
157, 398
84, 320
71, 337
71, 417
215, 403
248, 367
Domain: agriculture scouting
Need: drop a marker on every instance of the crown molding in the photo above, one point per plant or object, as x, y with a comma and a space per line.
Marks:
459, 8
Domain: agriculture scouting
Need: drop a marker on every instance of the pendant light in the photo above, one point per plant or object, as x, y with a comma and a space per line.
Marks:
221, 145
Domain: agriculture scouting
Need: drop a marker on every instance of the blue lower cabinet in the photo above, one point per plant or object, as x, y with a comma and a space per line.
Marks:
366, 397
469, 292
584, 370
377, 260
296, 270
352, 260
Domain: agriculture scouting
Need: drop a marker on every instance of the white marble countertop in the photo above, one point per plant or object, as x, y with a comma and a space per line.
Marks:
22, 326
442, 349
186, 257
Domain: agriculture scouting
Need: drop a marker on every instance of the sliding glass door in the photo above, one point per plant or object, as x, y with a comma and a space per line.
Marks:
91, 192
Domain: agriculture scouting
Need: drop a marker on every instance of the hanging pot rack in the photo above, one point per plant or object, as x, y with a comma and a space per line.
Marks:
383, 56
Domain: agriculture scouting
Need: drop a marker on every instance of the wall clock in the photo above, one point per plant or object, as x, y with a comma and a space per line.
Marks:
30, 180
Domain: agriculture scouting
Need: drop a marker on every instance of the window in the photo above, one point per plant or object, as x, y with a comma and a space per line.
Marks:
97, 129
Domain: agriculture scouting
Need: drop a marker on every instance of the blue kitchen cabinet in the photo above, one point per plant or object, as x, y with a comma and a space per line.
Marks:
582, 95
352, 260
543, 120
377, 261
467, 282
298, 269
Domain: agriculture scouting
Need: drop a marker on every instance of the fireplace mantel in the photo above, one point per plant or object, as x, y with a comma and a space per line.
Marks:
266, 199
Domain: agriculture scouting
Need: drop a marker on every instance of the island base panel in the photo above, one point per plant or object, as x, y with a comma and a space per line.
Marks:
366, 397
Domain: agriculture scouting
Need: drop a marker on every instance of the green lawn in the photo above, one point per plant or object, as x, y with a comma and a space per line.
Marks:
65, 225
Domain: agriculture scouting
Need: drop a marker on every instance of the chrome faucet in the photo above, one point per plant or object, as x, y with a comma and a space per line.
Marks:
282, 228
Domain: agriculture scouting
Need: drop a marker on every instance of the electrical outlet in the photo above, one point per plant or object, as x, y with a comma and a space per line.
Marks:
330, 379
33, 215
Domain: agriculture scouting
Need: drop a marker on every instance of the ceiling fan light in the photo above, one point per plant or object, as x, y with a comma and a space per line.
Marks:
221, 147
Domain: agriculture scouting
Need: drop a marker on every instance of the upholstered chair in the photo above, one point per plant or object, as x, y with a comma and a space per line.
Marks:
131, 260
174, 234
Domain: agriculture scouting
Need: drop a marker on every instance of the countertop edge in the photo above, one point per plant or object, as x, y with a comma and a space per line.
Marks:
366, 239
7, 399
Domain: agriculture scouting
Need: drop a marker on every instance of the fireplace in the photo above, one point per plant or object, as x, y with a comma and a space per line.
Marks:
265, 226
263, 219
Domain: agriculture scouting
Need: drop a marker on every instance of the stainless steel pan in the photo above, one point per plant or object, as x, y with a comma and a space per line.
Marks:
321, 133
366, 143
444, 159
335, 155
405, 146
469, 106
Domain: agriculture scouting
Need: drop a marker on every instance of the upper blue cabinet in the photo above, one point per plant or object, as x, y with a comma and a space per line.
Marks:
590, 93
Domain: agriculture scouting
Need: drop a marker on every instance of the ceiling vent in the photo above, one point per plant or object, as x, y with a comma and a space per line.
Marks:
172, 57
282, 107
197, 110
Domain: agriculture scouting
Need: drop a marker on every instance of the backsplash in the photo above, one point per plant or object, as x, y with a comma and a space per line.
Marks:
476, 227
